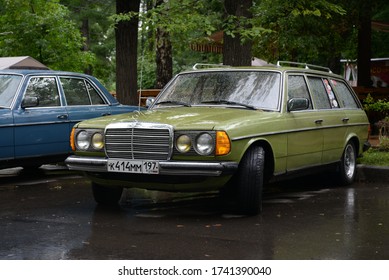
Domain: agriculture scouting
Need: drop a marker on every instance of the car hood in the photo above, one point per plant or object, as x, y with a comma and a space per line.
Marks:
190, 118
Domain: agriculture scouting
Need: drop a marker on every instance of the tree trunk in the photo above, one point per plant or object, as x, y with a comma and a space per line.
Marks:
364, 44
86, 34
126, 53
164, 57
236, 53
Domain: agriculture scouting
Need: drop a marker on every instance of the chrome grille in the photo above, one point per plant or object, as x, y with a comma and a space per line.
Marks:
138, 141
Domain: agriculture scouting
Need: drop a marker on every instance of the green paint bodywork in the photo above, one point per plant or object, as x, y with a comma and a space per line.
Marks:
293, 140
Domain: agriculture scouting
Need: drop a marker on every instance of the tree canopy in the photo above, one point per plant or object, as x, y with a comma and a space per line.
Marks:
43, 30
80, 35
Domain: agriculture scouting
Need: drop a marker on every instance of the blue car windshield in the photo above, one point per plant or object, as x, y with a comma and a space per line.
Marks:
247, 89
8, 86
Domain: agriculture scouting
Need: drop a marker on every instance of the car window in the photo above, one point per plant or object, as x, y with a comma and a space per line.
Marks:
45, 89
320, 94
79, 92
75, 91
333, 101
258, 89
8, 87
94, 95
297, 88
345, 95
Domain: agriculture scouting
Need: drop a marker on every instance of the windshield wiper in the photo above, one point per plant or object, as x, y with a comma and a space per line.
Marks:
229, 102
173, 102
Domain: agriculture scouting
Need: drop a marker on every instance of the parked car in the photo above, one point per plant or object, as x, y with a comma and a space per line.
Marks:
234, 128
38, 109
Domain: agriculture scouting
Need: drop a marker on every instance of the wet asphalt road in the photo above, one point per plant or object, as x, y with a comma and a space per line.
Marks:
51, 214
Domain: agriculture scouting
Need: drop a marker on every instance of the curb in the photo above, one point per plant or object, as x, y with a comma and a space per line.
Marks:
374, 174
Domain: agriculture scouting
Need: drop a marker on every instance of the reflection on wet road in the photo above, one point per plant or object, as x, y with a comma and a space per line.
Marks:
51, 215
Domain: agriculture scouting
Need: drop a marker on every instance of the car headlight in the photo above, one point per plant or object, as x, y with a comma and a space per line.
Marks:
183, 143
205, 144
82, 140
97, 141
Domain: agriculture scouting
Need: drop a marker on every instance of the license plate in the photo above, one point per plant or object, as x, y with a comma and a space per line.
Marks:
133, 166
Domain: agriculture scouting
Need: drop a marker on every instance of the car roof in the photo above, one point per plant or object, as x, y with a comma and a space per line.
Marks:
25, 72
281, 66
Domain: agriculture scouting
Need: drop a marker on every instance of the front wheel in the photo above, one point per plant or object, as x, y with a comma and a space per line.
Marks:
348, 164
250, 181
108, 196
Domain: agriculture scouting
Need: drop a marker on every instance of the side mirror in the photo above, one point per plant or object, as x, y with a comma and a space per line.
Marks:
30, 102
298, 104
149, 101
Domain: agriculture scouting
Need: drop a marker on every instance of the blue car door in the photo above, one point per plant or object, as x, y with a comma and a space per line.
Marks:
41, 128
7, 135
9, 84
83, 99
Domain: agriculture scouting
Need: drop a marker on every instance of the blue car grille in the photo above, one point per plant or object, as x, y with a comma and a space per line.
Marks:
149, 143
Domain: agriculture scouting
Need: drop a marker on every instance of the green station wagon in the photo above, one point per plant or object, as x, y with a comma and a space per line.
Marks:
217, 128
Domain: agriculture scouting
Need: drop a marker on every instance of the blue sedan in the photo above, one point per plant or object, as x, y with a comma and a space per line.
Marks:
38, 109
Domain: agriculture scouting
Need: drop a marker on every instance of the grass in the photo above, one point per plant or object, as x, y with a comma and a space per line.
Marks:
375, 156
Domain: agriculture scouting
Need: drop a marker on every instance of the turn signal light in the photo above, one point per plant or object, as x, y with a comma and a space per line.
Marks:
223, 143
72, 144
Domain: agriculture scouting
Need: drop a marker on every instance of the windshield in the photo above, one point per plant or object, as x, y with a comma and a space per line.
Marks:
248, 89
8, 87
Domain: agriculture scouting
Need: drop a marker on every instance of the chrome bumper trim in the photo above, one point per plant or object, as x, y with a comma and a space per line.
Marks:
90, 164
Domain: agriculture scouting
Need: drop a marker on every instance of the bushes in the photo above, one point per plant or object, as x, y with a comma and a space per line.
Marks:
377, 112
383, 134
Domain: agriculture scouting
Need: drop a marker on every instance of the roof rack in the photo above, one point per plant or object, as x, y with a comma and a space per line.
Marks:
305, 65
205, 65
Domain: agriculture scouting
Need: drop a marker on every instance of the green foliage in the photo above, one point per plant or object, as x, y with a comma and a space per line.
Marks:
372, 105
375, 157
43, 30
92, 18
383, 126
299, 30
314, 31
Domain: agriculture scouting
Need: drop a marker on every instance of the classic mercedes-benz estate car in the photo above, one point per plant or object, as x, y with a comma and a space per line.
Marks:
233, 128
38, 109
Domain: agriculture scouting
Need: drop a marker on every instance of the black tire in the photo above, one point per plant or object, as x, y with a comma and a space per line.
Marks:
250, 181
107, 196
348, 164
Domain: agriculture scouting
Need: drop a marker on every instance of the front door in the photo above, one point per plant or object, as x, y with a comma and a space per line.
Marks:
305, 137
42, 129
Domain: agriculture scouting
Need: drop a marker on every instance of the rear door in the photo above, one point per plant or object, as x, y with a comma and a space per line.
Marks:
333, 121
83, 99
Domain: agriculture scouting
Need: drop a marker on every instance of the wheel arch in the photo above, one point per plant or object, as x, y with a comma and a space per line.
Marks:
355, 140
269, 157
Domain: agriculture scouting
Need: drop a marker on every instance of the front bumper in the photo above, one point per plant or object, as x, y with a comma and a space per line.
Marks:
190, 168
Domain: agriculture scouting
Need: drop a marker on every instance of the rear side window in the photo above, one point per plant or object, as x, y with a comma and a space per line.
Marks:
345, 96
322, 93
94, 95
80, 92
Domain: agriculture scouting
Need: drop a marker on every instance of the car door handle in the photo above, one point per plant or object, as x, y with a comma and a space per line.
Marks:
318, 121
62, 117
345, 120
106, 114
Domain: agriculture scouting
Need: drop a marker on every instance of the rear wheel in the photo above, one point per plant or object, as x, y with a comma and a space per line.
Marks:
348, 164
108, 196
250, 181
